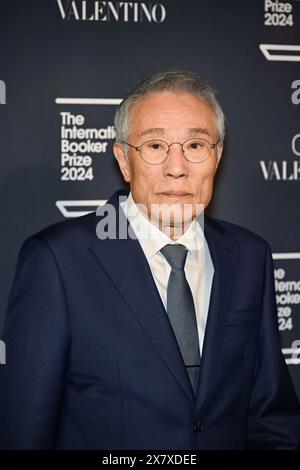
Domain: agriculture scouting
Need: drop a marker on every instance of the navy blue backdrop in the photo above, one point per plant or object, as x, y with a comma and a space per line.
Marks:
68, 63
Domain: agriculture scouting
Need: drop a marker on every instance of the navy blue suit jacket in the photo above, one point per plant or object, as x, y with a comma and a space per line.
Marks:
92, 361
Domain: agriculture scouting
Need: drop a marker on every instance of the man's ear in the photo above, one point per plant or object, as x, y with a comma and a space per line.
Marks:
123, 162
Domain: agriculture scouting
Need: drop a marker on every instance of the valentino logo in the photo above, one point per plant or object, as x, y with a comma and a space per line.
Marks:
96, 10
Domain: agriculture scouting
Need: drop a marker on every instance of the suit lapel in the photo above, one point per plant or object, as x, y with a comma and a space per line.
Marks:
126, 265
224, 255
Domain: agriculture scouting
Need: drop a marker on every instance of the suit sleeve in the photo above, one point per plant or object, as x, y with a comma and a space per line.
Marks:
36, 335
274, 414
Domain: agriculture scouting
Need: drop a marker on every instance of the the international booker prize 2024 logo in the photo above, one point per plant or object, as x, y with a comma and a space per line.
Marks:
2, 92
80, 147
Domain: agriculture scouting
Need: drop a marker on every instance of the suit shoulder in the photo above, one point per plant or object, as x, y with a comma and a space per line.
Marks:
68, 231
238, 233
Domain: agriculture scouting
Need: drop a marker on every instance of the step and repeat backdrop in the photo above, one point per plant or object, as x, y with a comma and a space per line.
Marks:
65, 66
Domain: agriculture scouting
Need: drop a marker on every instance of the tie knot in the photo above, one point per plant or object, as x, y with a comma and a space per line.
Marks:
175, 255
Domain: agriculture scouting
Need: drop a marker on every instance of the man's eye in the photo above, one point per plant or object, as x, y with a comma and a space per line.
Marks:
155, 146
196, 145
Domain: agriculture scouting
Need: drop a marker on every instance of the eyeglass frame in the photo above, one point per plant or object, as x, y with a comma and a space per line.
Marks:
138, 149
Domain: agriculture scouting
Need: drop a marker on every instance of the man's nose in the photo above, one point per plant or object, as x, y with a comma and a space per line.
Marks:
176, 164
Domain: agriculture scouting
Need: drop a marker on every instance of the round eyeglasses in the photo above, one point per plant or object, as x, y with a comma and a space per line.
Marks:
157, 151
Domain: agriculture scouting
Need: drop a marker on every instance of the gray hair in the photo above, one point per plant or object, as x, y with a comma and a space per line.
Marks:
177, 81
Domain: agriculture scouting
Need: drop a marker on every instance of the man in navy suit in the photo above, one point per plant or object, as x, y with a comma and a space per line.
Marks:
93, 359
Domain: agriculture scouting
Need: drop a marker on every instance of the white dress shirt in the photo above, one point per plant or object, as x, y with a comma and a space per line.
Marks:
198, 269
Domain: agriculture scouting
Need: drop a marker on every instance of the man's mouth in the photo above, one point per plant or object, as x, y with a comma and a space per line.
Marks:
174, 193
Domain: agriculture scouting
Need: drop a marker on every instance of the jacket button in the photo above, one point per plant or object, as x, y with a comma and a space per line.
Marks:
197, 426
